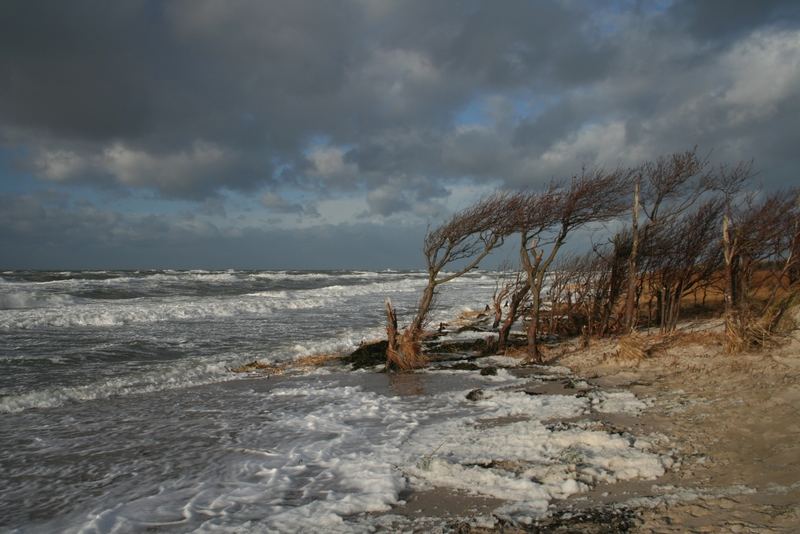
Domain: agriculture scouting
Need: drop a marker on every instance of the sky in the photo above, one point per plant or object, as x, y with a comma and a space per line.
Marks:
308, 134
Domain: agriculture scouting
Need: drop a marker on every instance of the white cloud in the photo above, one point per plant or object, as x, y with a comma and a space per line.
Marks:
137, 167
328, 162
764, 70
592, 144
59, 164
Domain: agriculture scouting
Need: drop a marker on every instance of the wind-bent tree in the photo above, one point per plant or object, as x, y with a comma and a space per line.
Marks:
532, 214
547, 219
468, 236
757, 234
663, 190
505, 286
729, 182
612, 264
515, 305
682, 255
584, 279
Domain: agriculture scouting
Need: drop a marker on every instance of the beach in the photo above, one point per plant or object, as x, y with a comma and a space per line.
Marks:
118, 419
729, 422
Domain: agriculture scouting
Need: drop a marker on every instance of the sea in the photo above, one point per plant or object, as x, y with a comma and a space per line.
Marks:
119, 411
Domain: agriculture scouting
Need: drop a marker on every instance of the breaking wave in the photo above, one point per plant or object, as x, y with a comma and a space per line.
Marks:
26, 299
72, 312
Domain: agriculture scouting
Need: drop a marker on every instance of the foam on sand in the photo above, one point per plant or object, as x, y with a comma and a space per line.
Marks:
526, 460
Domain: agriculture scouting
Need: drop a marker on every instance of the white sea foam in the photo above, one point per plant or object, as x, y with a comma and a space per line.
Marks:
178, 377
35, 299
334, 462
618, 402
550, 463
326, 452
148, 310
348, 340
338, 291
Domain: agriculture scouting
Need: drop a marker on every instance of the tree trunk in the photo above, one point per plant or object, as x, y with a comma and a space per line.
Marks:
675, 308
511, 316
392, 349
498, 315
423, 308
533, 326
631, 313
660, 305
732, 333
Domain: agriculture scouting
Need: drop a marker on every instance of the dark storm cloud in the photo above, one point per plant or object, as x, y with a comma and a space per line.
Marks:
190, 97
722, 19
395, 102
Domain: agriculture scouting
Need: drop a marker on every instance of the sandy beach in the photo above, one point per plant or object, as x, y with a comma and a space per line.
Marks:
730, 424
734, 423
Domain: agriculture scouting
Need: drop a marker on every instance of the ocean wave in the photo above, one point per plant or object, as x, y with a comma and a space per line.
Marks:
140, 311
340, 290
148, 310
183, 376
25, 299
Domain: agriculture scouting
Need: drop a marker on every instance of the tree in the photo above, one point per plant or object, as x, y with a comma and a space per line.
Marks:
758, 233
505, 286
468, 236
612, 264
663, 190
546, 219
682, 255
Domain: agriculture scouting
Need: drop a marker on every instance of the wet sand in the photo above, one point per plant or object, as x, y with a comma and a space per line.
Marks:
731, 422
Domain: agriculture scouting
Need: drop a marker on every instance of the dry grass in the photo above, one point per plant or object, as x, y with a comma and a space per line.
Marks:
697, 337
408, 354
632, 347
305, 362
748, 336
520, 353
314, 360
637, 346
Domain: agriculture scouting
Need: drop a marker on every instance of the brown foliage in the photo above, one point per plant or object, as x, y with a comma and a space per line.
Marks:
758, 232
546, 219
407, 355
470, 234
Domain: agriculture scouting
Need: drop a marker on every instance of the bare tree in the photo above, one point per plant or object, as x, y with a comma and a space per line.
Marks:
729, 182
559, 293
682, 255
533, 214
576, 283
758, 234
468, 236
663, 190
516, 304
547, 219
506, 284
611, 264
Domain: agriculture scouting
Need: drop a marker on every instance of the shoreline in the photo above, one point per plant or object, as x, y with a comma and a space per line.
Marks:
731, 423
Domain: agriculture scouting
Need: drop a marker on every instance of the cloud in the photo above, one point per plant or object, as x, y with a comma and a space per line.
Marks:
275, 203
720, 20
188, 172
764, 71
50, 231
188, 99
385, 108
